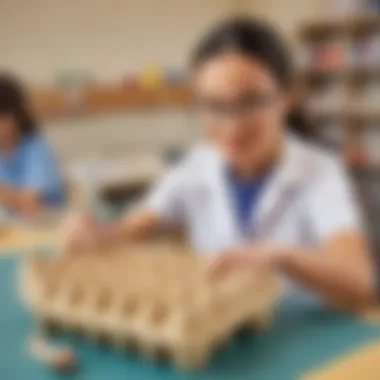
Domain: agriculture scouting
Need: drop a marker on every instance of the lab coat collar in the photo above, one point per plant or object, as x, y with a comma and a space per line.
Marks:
223, 207
284, 186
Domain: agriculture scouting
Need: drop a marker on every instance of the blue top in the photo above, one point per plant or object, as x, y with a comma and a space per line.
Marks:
245, 194
32, 165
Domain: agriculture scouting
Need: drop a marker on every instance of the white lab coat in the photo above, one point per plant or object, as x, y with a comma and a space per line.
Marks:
308, 197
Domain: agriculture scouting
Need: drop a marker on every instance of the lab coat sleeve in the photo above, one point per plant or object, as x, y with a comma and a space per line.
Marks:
332, 204
166, 196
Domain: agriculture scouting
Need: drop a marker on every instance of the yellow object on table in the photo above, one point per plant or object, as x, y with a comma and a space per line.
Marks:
19, 235
16, 238
372, 315
361, 364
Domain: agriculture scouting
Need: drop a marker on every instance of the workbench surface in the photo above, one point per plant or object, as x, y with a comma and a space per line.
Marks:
303, 339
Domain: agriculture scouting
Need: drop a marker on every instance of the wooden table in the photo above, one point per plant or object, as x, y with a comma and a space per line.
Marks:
19, 238
359, 359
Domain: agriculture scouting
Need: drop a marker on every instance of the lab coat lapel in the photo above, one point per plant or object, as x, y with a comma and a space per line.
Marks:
228, 231
282, 190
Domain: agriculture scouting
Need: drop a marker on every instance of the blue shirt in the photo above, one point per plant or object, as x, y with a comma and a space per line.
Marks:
32, 166
245, 194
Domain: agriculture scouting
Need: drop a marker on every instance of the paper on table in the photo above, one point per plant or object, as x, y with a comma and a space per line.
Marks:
361, 364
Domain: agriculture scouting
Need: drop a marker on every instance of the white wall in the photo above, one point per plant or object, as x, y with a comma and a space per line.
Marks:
39, 38
288, 15
107, 37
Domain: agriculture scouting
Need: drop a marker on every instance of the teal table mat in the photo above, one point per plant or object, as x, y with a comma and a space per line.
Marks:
302, 338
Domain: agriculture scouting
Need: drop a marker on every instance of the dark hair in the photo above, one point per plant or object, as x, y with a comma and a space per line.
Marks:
13, 100
255, 39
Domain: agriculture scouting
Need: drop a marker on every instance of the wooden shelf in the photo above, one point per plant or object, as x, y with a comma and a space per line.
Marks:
49, 103
347, 116
354, 74
323, 73
361, 75
364, 169
355, 26
364, 25
354, 118
320, 29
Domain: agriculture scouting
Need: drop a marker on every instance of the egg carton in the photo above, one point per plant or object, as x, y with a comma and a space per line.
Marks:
158, 301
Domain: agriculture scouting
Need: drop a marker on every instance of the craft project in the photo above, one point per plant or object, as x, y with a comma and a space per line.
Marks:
156, 300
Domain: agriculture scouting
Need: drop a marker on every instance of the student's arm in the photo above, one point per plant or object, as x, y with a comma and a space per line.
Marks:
21, 200
82, 231
161, 209
140, 223
340, 268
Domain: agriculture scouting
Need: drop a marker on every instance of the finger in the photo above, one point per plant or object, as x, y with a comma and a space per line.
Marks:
69, 244
220, 265
91, 240
72, 241
88, 221
238, 259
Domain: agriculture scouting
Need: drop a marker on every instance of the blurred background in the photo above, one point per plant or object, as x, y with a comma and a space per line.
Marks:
108, 83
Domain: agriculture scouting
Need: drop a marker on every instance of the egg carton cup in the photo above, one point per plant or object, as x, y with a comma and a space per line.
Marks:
158, 302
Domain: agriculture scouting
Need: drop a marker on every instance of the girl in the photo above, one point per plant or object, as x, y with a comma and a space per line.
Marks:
252, 193
29, 176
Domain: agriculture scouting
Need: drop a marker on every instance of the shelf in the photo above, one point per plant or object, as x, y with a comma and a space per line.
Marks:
347, 115
364, 169
354, 74
49, 103
365, 24
354, 26
367, 117
320, 29
323, 73
354, 118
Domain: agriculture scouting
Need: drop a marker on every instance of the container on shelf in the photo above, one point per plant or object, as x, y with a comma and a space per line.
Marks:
372, 5
354, 152
328, 100
73, 85
371, 143
330, 55
151, 77
130, 80
365, 51
366, 100
73, 78
173, 76
344, 8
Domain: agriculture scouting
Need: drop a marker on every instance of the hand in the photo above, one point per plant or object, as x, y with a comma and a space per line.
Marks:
255, 255
3, 189
83, 232
26, 202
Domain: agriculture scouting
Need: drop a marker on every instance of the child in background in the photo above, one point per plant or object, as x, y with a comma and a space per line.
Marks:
29, 175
